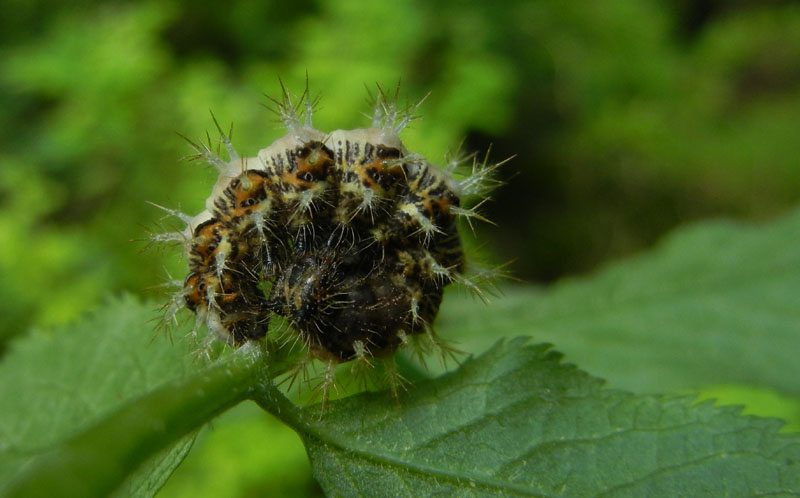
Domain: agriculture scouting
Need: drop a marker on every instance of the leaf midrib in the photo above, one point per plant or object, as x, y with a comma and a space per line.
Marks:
426, 472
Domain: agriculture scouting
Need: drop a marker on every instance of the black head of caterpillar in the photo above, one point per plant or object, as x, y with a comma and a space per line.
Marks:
347, 235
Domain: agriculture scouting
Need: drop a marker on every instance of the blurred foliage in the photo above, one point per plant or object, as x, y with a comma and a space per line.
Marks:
627, 117
225, 462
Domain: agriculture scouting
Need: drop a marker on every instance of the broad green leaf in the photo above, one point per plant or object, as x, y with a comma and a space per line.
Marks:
715, 303
55, 385
518, 422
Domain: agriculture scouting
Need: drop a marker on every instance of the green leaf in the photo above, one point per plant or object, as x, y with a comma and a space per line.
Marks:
150, 477
715, 303
518, 422
55, 385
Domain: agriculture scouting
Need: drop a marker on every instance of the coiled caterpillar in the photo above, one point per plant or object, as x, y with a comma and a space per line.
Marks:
347, 235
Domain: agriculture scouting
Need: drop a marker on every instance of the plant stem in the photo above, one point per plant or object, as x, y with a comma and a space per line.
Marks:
96, 461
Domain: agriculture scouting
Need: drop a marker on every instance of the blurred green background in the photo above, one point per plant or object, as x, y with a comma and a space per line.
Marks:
627, 117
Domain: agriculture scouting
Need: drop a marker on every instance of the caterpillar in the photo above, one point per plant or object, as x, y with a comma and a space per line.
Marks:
348, 236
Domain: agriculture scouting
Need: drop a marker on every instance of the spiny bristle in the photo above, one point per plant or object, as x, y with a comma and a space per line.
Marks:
457, 158
226, 139
327, 381
393, 379
169, 311
168, 238
177, 302
362, 354
220, 260
470, 214
481, 179
441, 274
416, 318
363, 364
295, 115
204, 152
211, 299
199, 321
426, 227
171, 283
442, 348
417, 346
387, 115
305, 201
472, 286
261, 225
343, 236
173, 212
481, 281
298, 373
368, 202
